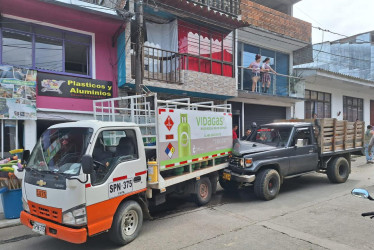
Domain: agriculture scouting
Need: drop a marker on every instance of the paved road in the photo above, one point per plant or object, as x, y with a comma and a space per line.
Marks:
309, 213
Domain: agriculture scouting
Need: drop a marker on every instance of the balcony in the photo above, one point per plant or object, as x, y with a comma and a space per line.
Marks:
281, 85
229, 7
160, 65
275, 21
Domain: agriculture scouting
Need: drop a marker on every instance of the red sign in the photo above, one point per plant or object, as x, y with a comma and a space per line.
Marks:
169, 123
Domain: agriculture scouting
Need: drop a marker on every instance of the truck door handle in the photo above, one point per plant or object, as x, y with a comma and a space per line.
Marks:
137, 178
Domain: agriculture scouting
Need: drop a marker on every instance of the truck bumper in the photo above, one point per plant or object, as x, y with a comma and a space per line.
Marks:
73, 235
241, 177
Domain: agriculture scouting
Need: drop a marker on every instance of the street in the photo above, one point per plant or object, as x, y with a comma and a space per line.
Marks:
309, 213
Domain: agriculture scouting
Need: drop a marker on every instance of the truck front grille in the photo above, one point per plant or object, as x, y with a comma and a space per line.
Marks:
235, 161
51, 213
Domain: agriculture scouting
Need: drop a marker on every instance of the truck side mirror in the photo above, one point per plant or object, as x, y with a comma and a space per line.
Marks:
87, 164
299, 143
25, 156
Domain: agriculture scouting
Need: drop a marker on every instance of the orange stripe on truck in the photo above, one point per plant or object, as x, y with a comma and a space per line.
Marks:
100, 215
73, 235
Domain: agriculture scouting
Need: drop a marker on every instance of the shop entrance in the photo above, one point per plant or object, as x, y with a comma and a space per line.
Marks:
43, 125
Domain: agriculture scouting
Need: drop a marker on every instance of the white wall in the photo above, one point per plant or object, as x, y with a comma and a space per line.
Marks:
337, 92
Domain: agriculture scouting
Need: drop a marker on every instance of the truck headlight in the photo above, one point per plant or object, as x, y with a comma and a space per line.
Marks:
75, 216
248, 162
25, 205
241, 163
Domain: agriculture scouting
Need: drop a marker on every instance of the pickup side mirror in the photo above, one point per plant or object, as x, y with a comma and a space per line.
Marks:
87, 164
299, 143
362, 193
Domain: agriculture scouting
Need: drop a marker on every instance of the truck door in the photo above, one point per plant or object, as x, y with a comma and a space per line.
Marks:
304, 157
119, 171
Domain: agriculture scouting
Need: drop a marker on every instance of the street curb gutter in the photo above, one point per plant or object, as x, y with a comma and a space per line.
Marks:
9, 223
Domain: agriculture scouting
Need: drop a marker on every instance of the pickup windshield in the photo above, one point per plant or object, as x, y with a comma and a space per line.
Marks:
273, 136
60, 150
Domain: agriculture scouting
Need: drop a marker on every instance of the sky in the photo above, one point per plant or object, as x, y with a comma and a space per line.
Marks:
346, 17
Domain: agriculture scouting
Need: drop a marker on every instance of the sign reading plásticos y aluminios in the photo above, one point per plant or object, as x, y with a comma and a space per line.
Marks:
73, 87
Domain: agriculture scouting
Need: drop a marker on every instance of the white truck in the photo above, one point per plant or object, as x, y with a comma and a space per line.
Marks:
88, 177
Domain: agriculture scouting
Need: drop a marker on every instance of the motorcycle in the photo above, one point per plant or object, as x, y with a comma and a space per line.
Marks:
362, 193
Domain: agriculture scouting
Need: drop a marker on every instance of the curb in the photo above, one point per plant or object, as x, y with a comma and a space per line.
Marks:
9, 223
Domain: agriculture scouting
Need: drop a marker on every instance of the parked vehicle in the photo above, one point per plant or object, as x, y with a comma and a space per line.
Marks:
362, 193
89, 177
288, 149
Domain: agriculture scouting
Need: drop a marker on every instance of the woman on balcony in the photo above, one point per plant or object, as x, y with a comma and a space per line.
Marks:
266, 78
256, 69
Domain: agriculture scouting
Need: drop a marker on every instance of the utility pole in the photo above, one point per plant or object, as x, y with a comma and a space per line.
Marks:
139, 47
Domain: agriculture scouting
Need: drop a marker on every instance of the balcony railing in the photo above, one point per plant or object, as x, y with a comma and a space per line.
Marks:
229, 7
161, 65
281, 85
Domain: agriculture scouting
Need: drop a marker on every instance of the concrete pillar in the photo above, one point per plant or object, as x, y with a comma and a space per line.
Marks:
29, 134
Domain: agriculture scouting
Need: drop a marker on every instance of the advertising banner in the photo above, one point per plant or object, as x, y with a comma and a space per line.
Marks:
17, 93
186, 135
73, 87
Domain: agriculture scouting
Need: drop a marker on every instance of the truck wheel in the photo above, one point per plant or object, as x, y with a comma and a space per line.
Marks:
229, 185
203, 191
338, 170
127, 223
267, 184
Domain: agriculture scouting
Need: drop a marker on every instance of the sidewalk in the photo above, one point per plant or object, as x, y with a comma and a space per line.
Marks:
8, 222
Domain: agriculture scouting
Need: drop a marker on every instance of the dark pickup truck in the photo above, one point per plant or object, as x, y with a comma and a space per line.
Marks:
288, 149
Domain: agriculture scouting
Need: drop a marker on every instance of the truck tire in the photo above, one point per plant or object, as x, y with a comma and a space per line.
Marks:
203, 191
267, 184
229, 185
127, 223
214, 182
338, 170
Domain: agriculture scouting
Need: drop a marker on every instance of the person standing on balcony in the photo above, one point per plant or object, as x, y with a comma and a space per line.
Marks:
266, 78
256, 69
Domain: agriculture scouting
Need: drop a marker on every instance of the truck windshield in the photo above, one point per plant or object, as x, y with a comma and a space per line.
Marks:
60, 150
272, 136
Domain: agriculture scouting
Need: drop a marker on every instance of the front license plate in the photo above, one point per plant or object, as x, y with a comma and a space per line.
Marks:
39, 228
226, 176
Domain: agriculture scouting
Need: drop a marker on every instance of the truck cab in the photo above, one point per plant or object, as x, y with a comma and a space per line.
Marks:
63, 201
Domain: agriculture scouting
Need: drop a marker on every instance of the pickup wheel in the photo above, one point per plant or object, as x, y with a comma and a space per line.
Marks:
203, 191
338, 170
228, 185
267, 184
127, 223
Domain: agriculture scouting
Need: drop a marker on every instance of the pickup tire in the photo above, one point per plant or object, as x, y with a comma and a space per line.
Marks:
267, 184
338, 170
228, 185
127, 223
203, 191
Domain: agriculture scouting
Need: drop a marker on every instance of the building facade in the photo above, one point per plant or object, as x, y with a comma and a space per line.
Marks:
273, 33
55, 58
340, 80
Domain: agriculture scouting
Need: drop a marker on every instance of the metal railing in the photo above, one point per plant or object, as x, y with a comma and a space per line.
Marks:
280, 85
229, 7
161, 65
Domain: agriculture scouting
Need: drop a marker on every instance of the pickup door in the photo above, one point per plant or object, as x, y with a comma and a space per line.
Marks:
303, 158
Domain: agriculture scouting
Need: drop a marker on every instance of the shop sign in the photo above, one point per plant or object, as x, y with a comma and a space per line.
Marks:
17, 93
73, 87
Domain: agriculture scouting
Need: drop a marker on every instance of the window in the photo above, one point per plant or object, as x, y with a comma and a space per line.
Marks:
317, 103
112, 147
208, 51
353, 108
278, 61
302, 134
44, 48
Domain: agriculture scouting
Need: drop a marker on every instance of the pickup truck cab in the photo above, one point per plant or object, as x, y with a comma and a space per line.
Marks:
283, 150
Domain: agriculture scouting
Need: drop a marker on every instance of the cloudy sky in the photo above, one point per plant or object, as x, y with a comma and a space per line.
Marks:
347, 17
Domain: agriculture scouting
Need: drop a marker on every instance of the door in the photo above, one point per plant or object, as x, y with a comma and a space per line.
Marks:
303, 158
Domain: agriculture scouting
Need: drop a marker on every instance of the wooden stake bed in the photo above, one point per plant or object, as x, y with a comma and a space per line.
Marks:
334, 135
